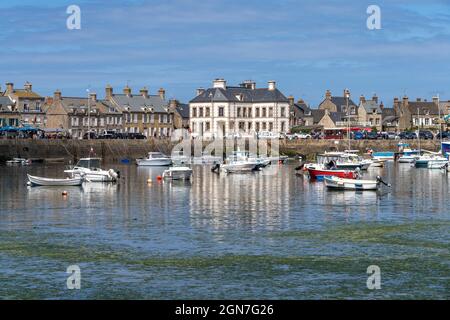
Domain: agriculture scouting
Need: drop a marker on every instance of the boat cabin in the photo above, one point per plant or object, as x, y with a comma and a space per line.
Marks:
89, 163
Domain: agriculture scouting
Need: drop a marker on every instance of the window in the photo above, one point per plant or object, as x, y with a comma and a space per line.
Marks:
220, 111
238, 112
270, 126
194, 112
200, 112
283, 129
427, 121
283, 113
264, 114
25, 107
207, 112
377, 121
135, 118
38, 106
249, 112
257, 126
257, 113
207, 126
271, 112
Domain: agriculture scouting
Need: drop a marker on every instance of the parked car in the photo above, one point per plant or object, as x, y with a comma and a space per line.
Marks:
391, 135
136, 136
291, 136
407, 135
268, 135
303, 136
92, 135
372, 136
358, 135
426, 135
445, 135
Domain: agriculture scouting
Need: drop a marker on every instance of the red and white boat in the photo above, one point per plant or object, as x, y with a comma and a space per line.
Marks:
318, 171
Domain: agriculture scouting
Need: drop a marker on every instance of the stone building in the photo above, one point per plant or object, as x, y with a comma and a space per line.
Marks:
143, 113
419, 113
370, 113
79, 115
9, 116
28, 104
181, 114
245, 108
300, 113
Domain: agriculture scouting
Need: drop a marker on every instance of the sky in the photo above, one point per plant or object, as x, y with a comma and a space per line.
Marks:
306, 46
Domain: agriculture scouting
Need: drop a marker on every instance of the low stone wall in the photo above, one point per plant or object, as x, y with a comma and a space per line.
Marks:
115, 150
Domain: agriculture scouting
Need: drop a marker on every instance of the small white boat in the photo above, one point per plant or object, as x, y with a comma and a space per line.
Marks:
18, 162
437, 163
238, 162
386, 156
156, 159
89, 169
41, 181
179, 158
178, 173
206, 158
377, 164
334, 182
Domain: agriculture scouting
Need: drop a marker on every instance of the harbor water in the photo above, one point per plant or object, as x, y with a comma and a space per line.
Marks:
264, 235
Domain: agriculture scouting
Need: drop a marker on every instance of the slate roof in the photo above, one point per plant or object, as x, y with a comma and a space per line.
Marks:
342, 102
424, 108
5, 101
248, 95
303, 108
137, 102
70, 103
388, 112
337, 116
183, 110
317, 115
370, 106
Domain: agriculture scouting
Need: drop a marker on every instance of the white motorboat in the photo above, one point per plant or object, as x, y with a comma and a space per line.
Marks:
206, 158
41, 181
409, 155
377, 163
334, 182
18, 162
179, 158
238, 162
260, 160
156, 159
437, 163
344, 160
89, 168
178, 173
384, 156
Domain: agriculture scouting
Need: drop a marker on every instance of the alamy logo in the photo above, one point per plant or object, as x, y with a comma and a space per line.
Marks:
374, 20
374, 280
74, 280
73, 21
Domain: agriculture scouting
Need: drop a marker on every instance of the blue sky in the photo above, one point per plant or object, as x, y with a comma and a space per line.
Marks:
307, 46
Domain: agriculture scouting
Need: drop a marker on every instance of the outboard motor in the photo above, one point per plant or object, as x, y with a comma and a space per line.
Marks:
381, 180
216, 167
114, 175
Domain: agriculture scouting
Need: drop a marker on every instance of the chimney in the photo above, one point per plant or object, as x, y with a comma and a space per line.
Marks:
362, 99
291, 100
173, 103
93, 96
405, 101
248, 84
301, 101
220, 83
328, 95
49, 100
127, 91
200, 91
57, 95
108, 92
381, 105
436, 100
346, 92
375, 98
395, 101
144, 92
28, 86
272, 85
9, 88
162, 93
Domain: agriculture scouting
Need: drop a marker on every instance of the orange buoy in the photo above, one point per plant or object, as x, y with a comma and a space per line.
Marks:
159, 178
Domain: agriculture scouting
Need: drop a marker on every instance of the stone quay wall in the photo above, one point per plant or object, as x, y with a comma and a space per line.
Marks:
115, 150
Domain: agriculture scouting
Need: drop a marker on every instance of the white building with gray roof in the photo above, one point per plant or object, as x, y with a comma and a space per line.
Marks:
244, 108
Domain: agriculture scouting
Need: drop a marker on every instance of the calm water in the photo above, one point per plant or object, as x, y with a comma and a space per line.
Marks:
246, 236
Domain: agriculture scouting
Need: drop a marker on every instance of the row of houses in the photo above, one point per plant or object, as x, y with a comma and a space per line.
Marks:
219, 109
151, 115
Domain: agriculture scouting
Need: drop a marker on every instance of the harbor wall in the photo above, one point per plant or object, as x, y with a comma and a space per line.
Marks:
115, 150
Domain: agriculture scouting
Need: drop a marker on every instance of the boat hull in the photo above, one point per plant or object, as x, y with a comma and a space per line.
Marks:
239, 167
154, 162
321, 173
41, 181
350, 184
178, 174
437, 164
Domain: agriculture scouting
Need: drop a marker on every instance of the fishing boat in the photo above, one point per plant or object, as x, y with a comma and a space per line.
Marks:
90, 169
178, 173
344, 160
352, 184
408, 155
41, 181
157, 159
319, 171
434, 159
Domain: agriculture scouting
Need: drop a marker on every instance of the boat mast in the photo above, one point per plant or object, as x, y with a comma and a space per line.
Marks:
440, 124
348, 120
418, 128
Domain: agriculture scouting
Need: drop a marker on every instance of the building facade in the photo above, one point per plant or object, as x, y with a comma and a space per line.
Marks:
370, 113
142, 113
417, 114
227, 110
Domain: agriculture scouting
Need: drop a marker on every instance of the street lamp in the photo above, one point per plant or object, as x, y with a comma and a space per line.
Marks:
89, 114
